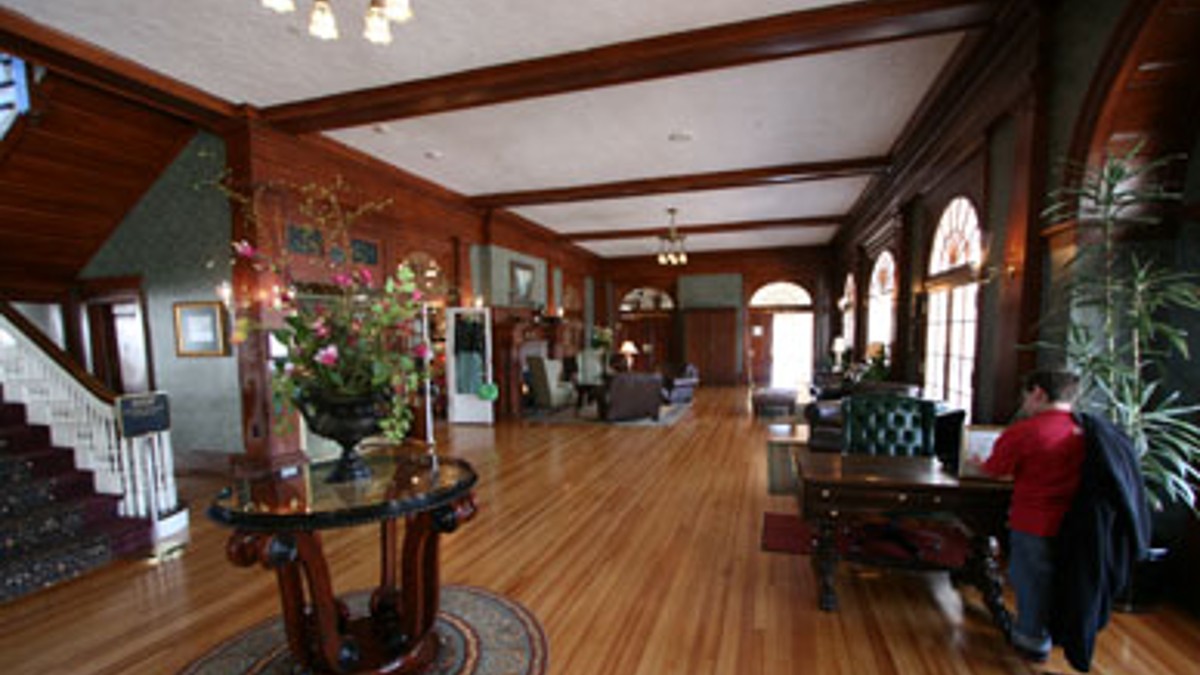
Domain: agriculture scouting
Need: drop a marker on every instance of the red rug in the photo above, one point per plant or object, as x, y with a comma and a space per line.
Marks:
916, 541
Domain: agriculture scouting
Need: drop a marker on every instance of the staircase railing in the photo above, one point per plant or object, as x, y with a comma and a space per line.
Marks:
81, 414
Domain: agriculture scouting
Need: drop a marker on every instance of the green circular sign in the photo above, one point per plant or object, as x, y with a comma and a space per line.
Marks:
488, 391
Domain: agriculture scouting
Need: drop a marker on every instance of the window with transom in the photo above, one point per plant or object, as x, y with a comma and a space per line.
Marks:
881, 301
953, 293
847, 305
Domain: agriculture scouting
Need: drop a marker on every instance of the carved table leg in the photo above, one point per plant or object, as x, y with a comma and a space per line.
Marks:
313, 625
824, 561
984, 572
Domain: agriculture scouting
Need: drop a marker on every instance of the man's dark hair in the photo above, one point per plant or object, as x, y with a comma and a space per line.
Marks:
1060, 386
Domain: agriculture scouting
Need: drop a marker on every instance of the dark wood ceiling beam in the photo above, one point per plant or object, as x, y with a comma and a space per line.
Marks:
717, 180
81, 61
778, 37
714, 228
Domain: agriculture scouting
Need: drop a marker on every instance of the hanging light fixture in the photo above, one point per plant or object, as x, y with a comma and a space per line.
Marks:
398, 10
670, 245
321, 23
377, 29
376, 23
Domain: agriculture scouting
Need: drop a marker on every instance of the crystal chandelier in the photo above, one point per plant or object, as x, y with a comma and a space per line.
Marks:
670, 245
377, 23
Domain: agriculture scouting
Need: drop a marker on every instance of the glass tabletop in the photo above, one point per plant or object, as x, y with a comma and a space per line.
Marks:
299, 498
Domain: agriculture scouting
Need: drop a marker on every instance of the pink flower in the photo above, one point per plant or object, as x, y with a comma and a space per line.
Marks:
421, 351
417, 295
364, 276
343, 280
244, 249
327, 355
320, 327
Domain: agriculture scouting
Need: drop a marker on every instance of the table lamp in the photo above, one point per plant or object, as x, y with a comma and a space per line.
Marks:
629, 350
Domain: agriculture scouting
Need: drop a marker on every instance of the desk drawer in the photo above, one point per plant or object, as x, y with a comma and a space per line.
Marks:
821, 499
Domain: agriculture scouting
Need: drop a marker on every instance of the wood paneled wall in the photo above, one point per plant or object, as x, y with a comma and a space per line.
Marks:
69, 172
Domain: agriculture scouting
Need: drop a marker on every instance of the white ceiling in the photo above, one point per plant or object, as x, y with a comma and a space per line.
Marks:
847, 104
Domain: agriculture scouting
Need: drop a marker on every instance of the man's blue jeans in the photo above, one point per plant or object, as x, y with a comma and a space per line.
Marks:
1030, 569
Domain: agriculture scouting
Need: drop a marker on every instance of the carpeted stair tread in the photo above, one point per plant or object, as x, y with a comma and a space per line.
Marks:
25, 496
51, 565
12, 414
26, 533
18, 437
37, 463
127, 537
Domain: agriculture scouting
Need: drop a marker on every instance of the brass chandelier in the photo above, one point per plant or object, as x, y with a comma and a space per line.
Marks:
377, 23
670, 245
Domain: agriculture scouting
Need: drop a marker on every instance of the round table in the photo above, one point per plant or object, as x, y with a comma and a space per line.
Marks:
277, 518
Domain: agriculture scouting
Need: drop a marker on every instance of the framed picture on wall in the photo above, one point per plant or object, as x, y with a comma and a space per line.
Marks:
520, 284
200, 329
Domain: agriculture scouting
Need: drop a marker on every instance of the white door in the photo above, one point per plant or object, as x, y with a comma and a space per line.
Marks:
468, 364
791, 350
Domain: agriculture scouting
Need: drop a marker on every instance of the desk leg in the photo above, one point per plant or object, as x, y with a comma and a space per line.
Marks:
825, 561
984, 572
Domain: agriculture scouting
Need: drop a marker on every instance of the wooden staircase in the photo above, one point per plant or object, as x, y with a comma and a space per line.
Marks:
53, 524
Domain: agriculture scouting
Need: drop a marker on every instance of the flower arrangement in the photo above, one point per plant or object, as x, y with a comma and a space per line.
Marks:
348, 336
602, 337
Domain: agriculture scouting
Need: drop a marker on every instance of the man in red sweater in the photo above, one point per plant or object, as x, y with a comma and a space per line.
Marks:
1043, 453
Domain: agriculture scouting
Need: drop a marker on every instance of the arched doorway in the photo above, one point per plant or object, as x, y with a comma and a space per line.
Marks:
781, 336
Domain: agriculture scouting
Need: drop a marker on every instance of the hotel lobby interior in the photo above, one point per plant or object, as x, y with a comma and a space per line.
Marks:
673, 224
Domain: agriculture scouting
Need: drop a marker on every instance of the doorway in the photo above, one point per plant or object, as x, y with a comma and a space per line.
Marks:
781, 337
791, 350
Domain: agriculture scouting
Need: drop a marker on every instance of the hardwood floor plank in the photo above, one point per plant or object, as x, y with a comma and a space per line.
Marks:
637, 548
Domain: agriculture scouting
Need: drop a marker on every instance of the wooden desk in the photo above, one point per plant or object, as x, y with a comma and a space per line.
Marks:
277, 517
832, 485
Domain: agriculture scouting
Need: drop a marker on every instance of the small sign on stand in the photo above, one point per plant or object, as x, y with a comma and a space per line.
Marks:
141, 415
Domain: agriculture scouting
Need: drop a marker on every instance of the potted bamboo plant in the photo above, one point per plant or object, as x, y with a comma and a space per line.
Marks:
1123, 306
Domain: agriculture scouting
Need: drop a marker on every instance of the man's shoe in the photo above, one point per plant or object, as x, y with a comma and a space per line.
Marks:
1031, 655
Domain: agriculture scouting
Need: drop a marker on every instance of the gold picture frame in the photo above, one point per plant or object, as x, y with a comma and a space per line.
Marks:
200, 329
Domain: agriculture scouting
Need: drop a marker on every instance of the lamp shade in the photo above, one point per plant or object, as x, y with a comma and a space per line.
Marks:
628, 348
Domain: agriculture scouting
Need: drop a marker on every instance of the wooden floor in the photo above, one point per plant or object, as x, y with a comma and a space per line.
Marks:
637, 548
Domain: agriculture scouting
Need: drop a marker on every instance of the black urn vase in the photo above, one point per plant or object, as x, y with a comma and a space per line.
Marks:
345, 420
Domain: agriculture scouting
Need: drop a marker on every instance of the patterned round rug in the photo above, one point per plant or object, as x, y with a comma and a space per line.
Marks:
481, 633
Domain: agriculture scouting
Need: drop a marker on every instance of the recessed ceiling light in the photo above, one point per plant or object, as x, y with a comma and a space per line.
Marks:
680, 136
434, 155
380, 128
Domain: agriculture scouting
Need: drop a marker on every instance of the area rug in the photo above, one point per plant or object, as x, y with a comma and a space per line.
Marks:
898, 540
781, 476
481, 634
668, 415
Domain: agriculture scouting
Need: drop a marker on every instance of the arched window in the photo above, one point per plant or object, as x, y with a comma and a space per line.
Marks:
847, 305
953, 289
881, 300
781, 294
646, 299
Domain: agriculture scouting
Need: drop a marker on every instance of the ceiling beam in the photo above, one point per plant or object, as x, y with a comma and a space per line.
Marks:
714, 228
778, 37
717, 180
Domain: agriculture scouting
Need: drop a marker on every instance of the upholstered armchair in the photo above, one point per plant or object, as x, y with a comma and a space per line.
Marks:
549, 389
888, 424
825, 415
679, 384
591, 367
